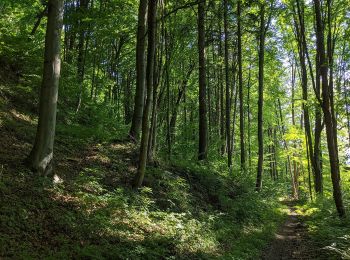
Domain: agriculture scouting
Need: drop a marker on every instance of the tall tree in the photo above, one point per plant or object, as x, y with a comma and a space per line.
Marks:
151, 20
240, 85
83, 6
140, 72
228, 85
262, 34
41, 156
327, 109
300, 36
203, 124
313, 151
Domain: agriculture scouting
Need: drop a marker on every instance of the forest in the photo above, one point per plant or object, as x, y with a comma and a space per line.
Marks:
163, 129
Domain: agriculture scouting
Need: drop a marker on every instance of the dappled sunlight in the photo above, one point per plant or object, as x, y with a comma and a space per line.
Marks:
175, 129
20, 116
98, 158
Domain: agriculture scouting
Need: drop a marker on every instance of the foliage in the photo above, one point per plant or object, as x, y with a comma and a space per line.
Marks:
186, 209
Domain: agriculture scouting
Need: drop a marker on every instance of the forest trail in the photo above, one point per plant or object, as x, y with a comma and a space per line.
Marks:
292, 239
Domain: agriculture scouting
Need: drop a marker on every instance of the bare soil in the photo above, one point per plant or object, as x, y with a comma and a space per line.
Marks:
292, 240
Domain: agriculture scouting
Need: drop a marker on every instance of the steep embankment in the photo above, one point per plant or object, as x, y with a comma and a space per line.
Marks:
88, 210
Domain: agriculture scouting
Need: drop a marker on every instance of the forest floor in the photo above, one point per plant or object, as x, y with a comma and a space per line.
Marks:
89, 211
292, 240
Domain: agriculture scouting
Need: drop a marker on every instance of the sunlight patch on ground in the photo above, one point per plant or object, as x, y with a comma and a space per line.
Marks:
99, 158
21, 116
57, 179
248, 229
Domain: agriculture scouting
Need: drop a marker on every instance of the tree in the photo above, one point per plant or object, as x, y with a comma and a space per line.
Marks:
227, 87
300, 36
140, 72
304, 60
240, 86
203, 124
262, 34
152, 15
83, 6
41, 156
327, 108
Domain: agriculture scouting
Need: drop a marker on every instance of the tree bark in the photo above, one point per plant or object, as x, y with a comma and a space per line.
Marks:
328, 115
249, 123
261, 98
227, 81
240, 86
221, 90
83, 6
134, 132
41, 156
203, 124
300, 35
152, 14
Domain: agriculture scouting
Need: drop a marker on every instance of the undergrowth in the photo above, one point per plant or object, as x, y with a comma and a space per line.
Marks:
326, 229
87, 209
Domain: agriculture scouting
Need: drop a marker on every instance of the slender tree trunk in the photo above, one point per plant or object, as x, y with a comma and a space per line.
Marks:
152, 14
127, 98
295, 174
203, 124
232, 142
330, 54
249, 123
300, 34
347, 105
140, 73
261, 98
275, 152
41, 156
156, 80
222, 111
326, 107
315, 154
240, 86
93, 78
83, 6
308, 155
167, 83
227, 80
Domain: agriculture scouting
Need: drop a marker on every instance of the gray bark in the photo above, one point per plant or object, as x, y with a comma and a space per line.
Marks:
41, 156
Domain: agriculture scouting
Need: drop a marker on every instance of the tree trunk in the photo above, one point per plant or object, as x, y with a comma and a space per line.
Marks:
227, 80
315, 152
127, 98
249, 123
41, 156
328, 115
300, 34
318, 131
203, 124
152, 14
222, 112
261, 98
240, 86
156, 79
83, 6
140, 73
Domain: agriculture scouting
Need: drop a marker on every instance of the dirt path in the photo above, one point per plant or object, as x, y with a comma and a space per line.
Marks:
292, 240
